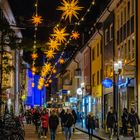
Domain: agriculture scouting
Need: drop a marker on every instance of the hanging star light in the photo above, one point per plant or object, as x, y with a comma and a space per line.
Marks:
69, 8
60, 34
75, 35
34, 56
54, 71
33, 69
50, 81
61, 61
36, 20
50, 54
47, 67
53, 44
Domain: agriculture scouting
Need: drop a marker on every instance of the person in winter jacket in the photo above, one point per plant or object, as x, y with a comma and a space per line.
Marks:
44, 122
53, 123
111, 121
134, 121
90, 124
125, 121
75, 119
62, 117
68, 122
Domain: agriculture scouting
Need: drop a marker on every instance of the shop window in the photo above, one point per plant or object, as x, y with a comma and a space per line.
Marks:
98, 49
111, 32
93, 54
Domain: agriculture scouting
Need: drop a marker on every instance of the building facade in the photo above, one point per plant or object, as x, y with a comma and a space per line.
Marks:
125, 49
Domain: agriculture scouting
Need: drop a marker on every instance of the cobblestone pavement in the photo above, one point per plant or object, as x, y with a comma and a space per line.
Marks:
30, 134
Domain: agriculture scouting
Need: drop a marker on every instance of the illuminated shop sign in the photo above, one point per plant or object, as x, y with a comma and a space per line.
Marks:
107, 83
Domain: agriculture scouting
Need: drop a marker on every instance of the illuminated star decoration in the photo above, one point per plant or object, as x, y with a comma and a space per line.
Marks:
75, 35
34, 56
60, 34
69, 8
53, 44
61, 61
50, 54
36, 20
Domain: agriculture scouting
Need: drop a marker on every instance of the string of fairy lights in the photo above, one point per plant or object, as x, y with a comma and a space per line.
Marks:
57, 38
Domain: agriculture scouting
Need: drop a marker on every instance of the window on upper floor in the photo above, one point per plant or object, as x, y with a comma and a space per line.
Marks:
133, 47
125, 50
106, 36
133, 6
129, 50
98, 49
98, 77
121, 18
93, 80
111, 32
125, 14
128, 9
93, 54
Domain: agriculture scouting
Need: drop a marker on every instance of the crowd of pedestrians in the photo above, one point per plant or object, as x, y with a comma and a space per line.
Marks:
129, 120
44, 119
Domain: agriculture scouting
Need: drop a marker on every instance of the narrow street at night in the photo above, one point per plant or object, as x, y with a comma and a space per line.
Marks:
70, 69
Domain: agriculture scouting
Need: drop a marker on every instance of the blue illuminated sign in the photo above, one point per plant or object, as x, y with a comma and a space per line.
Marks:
107, 83
63, 91
73, 100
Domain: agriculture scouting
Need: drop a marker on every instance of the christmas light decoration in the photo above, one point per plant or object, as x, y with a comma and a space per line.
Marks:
50, 81
75, 35
60, 34
61, 61
34, 56
33, 84
69, 8
33, 69
54, 71
46, 85
36, 20
50, 54
53, 44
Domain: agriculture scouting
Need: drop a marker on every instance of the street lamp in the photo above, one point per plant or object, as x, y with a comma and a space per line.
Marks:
117, 70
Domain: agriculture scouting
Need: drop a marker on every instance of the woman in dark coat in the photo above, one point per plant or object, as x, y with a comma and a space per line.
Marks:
75, 119
90, 124
53, 123
111, 121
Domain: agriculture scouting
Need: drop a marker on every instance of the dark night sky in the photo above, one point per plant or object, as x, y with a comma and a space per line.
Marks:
24, 9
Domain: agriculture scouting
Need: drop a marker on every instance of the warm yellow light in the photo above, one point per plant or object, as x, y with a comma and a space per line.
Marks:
50, 54
34, 56
47, 85
53, 44
60, 34
33, 69
61, 61
36, 20
33, 84
75, 35
50, 81
69, 8
54, 71
33, 73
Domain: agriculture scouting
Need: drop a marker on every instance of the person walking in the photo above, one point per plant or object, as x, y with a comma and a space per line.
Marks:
62, 117
53, 124
125, 121
44, 123
90, 124
134, 121
111, 121
68, 122
75, 119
